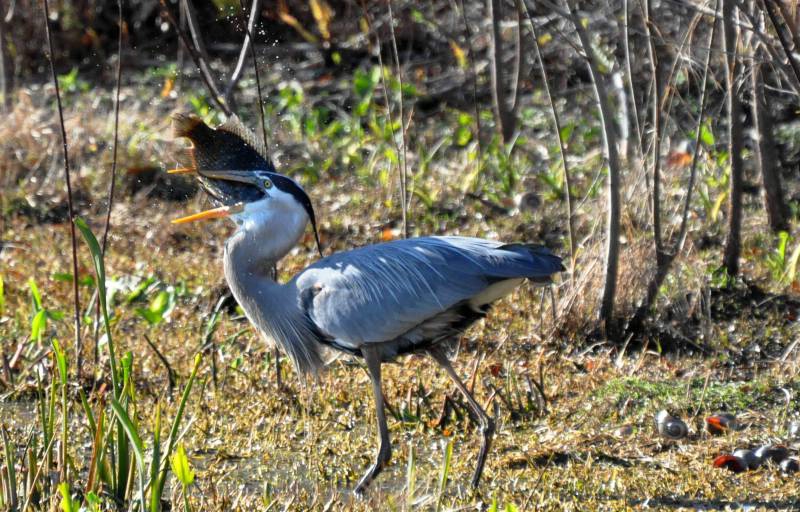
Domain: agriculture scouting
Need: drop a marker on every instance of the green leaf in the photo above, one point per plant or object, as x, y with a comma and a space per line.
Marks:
66, 277
93, 500
35, 295
463, 135
67, 503
100, 272
180, 466
566, 132
136, 441
448, 457
39, 324
140, 289
159, 303
151, 317
706, 136
61, 361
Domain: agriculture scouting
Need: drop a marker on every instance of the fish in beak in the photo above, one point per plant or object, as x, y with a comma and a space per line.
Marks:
214, 153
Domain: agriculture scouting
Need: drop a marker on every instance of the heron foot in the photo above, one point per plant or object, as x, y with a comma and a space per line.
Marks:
384, 455
487, 431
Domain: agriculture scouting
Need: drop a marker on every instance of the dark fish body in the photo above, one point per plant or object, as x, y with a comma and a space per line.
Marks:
230, 146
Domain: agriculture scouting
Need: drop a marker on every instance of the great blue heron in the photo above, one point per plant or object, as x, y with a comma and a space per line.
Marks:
376, 302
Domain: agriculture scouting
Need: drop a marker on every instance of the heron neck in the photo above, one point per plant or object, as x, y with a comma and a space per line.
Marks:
272, 307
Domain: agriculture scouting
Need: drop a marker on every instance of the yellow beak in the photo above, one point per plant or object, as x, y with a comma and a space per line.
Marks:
182, 170
214, 213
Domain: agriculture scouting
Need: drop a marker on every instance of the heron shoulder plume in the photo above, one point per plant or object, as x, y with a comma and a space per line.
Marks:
228, 146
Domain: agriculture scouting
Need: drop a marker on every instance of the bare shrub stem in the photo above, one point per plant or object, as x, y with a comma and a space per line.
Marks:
199, 61
403, 161
662, 270
735, 141
70, 209
611, 263
557, 129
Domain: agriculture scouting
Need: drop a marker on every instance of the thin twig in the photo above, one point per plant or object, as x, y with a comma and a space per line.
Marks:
561, 148
201, 64
190, 15
112, 182
773, 17
249, 42
388, 106
404, 164
165, 362
73, 237
698, 130
474, 80
629, 70
656, 123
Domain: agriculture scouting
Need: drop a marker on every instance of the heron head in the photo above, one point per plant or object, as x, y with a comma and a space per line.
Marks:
253, 195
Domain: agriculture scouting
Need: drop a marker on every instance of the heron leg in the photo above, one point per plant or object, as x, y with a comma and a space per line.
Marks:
486, 423
373, 361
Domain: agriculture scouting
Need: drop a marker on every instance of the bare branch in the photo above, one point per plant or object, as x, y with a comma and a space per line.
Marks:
73, 238
735, 143
611, 262
199, 61
562, 150
663, 269
404, 165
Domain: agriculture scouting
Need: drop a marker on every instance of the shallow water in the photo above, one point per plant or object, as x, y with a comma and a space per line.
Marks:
18, 414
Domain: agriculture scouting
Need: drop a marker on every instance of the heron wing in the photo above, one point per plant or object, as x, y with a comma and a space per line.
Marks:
379, 292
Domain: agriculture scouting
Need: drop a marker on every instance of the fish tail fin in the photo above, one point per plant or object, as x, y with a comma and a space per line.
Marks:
184, 124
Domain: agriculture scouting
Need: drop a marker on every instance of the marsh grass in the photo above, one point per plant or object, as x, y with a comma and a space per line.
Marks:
560, 395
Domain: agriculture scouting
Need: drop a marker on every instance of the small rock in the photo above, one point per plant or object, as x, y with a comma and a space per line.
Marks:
789, 466
624, 431
670, 427
794, 429
527, 201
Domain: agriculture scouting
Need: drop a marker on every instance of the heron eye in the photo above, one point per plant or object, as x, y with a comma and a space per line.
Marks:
267, 184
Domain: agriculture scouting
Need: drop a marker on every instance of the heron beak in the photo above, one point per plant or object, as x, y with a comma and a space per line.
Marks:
214, 213
182, 170
244, 177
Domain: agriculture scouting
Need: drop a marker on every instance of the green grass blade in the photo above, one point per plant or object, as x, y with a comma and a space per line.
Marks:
136, 442
67, 503
411, 477
791, 266
36, 297
10, 468
87, 410
180, 466
173, 433
100, 271
448, 457
155, 463
61, 363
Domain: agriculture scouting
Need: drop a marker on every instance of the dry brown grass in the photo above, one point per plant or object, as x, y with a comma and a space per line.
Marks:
303, 448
